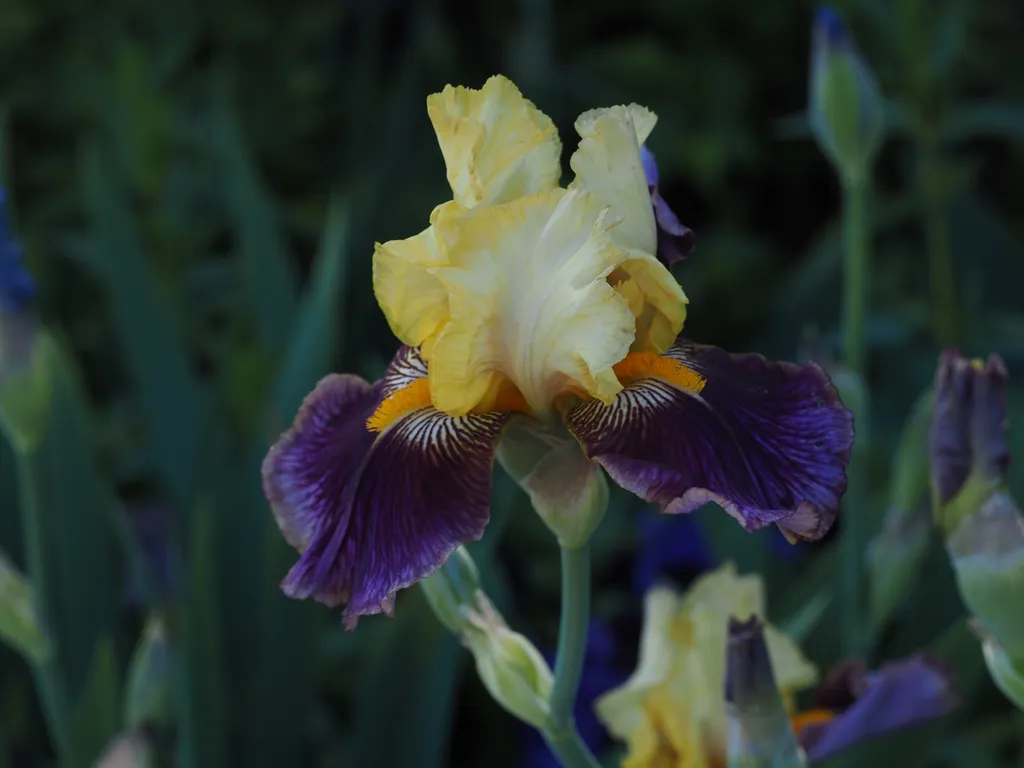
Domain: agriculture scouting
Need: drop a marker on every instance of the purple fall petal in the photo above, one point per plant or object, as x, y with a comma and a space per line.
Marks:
899, 695
769, 442
373, 513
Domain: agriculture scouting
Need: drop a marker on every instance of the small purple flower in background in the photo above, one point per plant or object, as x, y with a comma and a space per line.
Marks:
675, 240
17, 288
601, 673
669, 545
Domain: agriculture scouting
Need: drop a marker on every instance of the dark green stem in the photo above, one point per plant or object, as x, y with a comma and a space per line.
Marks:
945, 309
855, 271
572, 649
570, 749
572, 634
856, 267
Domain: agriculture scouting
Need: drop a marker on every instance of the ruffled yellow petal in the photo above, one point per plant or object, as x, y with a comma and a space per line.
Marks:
529, 300
608, 165
655, 299
673, 709
497, 145
413, 300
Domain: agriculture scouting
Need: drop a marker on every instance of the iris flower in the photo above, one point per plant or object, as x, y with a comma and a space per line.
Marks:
526, 301
671, 712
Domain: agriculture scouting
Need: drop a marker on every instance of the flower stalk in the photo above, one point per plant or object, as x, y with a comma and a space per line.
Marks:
572, 634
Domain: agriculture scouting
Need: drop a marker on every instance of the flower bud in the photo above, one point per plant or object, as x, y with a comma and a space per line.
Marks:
567, 490
510, 667
19, 623
845, 107
453, 591
759, 730
969, 453
987, 551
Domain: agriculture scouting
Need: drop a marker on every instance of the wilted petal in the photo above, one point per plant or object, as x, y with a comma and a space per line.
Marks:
769, 442
497, 145
868, 705
375, 511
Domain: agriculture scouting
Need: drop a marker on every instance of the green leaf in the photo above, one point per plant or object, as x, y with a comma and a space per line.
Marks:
407, 688
201, 687
317, 331
988, 119
277, 699
71, 549
170, 397
97, 714
148, 689
19, 623
266, 266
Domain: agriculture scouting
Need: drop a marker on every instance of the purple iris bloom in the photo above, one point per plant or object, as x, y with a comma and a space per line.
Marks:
17, 288
675, 241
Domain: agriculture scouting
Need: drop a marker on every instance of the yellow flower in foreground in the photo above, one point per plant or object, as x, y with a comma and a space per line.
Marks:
520, 291
671, 711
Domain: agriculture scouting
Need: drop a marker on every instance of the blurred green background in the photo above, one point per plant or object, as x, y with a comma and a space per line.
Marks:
197, 188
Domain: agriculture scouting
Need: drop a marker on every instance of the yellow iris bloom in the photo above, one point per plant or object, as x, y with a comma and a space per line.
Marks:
671, 712
521, 292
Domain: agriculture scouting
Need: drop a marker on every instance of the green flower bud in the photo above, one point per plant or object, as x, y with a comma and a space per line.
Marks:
19, 624
510, 667
987, 551
760, 735
845, 106
148, 690
567, 490
453, 591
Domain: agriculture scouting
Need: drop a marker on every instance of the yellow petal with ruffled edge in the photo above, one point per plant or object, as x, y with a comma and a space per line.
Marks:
674, 705
655, 299
497, 145
608, 165
530, 303
413, 300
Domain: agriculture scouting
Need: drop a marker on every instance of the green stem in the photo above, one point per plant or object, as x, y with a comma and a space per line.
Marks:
945, 312
855, 270
561, 735
52, 694
570, 749
572, 634
856, 251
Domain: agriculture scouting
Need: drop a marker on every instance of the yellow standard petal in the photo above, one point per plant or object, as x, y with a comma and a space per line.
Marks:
530, 304
412, 298
671, 711
608, 165
497, 145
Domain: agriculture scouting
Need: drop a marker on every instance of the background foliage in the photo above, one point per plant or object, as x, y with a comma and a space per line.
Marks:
198, 187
